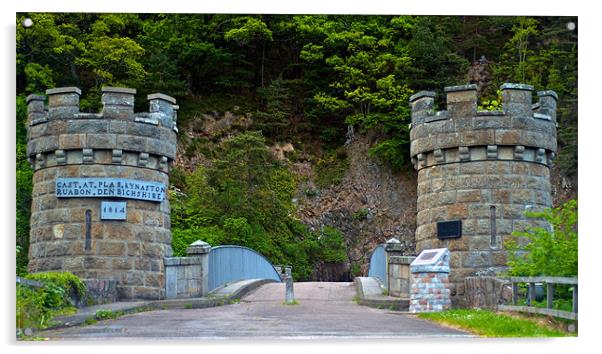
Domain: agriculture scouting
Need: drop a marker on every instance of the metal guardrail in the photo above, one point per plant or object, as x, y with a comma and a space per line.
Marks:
550, 285
378, 264
232, 263
32, 283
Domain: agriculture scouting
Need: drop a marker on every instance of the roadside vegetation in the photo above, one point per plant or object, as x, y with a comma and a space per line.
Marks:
488, 323
36, 307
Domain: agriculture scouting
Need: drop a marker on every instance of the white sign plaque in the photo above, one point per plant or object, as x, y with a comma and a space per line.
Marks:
110, 210
429, 256
91, 187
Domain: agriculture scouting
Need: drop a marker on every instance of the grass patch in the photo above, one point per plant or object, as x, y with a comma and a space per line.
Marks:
107, 314
491, 324
292, 303
90, 321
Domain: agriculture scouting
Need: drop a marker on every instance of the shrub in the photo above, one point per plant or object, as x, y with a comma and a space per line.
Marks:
332, 244
37, 306
60, 288
548, 252
361, 214
103, 314
182, 238
331, 168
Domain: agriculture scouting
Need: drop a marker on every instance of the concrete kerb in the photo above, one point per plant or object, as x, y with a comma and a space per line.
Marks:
370, 292
223, 295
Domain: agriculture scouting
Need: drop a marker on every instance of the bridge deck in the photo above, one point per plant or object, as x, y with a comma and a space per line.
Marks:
325, 310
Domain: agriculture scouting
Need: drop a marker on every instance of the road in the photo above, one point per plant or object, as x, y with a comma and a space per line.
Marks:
324, 310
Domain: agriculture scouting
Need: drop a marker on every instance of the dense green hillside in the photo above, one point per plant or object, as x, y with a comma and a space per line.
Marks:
307, 80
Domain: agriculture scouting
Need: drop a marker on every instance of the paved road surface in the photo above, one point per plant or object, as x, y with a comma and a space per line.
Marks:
325, 310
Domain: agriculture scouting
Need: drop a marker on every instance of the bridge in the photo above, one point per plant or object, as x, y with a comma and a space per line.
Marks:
246, 299
324, 310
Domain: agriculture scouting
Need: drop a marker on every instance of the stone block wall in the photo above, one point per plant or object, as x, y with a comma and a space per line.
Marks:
68, 233
399, 275
187, 277
487, 292
485, 169
183, 277
100, 291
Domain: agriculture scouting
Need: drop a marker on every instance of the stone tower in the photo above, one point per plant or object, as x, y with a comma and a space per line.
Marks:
478, 172
100, 207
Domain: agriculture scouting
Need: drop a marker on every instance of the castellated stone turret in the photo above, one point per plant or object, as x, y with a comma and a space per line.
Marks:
478, 172
100, 207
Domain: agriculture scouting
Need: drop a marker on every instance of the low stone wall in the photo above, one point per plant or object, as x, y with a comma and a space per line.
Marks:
399, 275
187, 277
183, 277
486, 292
99, 291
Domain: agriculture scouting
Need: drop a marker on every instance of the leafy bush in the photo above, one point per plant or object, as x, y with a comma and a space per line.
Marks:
361, 214
238, 231
37, 306
103, 314
61, 287
331, 168
548, 252
332, 245
182, 238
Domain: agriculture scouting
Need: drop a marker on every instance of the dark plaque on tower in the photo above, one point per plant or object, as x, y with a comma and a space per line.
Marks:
449, 229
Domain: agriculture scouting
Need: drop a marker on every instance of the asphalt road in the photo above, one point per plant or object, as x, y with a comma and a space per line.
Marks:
324, 310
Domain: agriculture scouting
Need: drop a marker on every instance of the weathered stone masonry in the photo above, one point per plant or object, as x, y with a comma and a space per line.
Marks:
67, 233
484, 169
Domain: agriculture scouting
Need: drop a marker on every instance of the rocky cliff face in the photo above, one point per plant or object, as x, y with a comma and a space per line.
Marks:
370, 205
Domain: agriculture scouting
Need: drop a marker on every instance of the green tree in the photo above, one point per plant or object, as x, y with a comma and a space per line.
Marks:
276, 116
253, 32
369, 57
24, 176
546, 252
543, 53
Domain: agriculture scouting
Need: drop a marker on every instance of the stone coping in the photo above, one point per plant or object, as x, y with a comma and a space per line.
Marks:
401, 259
126, 90
34, 97
59, 90
548, 93
470, 87
512, 86
161, 96
181, 261
422, 94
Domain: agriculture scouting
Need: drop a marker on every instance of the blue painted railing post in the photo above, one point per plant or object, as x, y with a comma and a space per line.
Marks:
200, 249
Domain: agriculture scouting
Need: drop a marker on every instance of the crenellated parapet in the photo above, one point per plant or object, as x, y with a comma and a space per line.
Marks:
59, 134
520, 131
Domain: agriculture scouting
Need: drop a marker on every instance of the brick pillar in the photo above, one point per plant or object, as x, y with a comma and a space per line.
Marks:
430, 281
